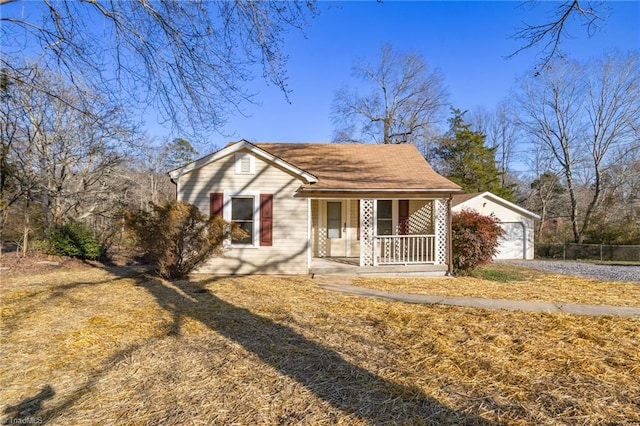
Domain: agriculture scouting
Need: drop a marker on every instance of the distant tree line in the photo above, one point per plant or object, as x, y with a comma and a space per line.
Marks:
74, 158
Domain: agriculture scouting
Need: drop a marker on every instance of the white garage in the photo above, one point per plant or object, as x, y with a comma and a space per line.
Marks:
518, 223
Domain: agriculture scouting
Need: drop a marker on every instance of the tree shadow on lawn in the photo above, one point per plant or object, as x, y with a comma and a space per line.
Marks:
25, 410
31, 410
344, 385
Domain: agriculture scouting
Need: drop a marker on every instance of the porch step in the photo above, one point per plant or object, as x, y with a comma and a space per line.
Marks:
403, 271
380, 271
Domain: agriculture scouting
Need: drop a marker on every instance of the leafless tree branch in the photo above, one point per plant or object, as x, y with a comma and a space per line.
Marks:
550, 34
405, 101
189, 59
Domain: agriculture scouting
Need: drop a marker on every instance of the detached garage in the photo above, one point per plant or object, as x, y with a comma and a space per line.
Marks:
518, 223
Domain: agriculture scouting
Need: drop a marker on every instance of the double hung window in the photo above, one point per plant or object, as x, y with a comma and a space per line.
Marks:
242, 213
385, 218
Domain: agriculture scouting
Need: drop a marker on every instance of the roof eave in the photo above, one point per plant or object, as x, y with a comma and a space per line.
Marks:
452, 190
238, 146
504, 202
377, 192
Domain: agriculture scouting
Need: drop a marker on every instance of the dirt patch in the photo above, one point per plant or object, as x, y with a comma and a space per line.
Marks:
13, 264
34, 263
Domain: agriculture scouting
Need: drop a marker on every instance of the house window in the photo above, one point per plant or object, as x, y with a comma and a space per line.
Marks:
334, 220
242, 213
245, 163
385, 219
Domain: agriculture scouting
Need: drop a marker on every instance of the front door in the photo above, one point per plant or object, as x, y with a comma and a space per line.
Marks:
336, 228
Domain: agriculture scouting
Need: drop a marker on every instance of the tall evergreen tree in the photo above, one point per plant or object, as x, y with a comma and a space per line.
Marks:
463, 157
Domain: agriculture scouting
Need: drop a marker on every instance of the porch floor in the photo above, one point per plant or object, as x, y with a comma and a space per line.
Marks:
349, 266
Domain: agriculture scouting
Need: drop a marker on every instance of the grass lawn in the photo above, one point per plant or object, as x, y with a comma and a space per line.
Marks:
516, 283
91, 346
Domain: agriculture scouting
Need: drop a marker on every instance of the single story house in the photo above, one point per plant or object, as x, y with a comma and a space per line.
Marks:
518, 223
370, 206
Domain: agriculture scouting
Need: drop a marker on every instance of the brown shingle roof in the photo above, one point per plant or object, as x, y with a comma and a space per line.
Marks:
461, 198
361, 166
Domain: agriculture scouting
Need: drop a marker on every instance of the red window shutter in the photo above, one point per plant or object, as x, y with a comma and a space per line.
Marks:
266, 219
358, 236
403, 217
216, 201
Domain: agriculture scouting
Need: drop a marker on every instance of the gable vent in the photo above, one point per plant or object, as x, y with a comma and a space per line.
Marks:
244, 163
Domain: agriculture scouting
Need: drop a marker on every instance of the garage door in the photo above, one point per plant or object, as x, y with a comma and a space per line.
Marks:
512, 243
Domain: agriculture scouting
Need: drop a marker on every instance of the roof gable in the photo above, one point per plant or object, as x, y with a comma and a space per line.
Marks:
236, 147
461, 199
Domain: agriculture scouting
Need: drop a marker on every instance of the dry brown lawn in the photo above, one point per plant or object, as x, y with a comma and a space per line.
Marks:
535, 285
91, 346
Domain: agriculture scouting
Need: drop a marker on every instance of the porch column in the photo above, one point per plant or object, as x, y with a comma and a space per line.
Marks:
441, 231
366, 232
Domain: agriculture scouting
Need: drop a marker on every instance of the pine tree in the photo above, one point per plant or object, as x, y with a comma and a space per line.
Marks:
464, 158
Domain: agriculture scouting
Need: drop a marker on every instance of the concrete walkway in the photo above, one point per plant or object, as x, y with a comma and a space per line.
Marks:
343, 284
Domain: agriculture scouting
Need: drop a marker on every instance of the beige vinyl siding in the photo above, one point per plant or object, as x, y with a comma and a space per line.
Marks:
287, 255
488, 207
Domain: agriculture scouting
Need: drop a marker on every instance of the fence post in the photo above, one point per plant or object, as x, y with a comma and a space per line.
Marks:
564, 251
600, 252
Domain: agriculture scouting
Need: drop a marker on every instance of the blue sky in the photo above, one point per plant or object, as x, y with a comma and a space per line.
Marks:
466, 41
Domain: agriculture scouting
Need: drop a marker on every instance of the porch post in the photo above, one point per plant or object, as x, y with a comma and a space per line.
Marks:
442, 230
322, 231
449, 237
366, 233
309, 234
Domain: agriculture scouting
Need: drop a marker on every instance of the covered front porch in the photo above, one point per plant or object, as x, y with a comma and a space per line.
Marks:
379, 235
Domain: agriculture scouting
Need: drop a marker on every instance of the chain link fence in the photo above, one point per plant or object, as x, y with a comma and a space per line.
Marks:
588, 252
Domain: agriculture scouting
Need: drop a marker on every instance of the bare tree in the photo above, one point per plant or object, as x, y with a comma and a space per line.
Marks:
546, 189
501, 130
146, 171
550, 34
16, 182
64, 150
543, 192
586, 116
619, 222
188, 58
406, 98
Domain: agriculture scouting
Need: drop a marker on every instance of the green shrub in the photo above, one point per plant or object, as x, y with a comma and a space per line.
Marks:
475, 240
176, 237
75, 239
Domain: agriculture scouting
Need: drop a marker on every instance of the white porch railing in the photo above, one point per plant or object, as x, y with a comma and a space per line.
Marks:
404, 249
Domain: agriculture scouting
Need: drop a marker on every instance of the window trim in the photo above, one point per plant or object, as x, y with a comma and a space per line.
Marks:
226, 214
240, 222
